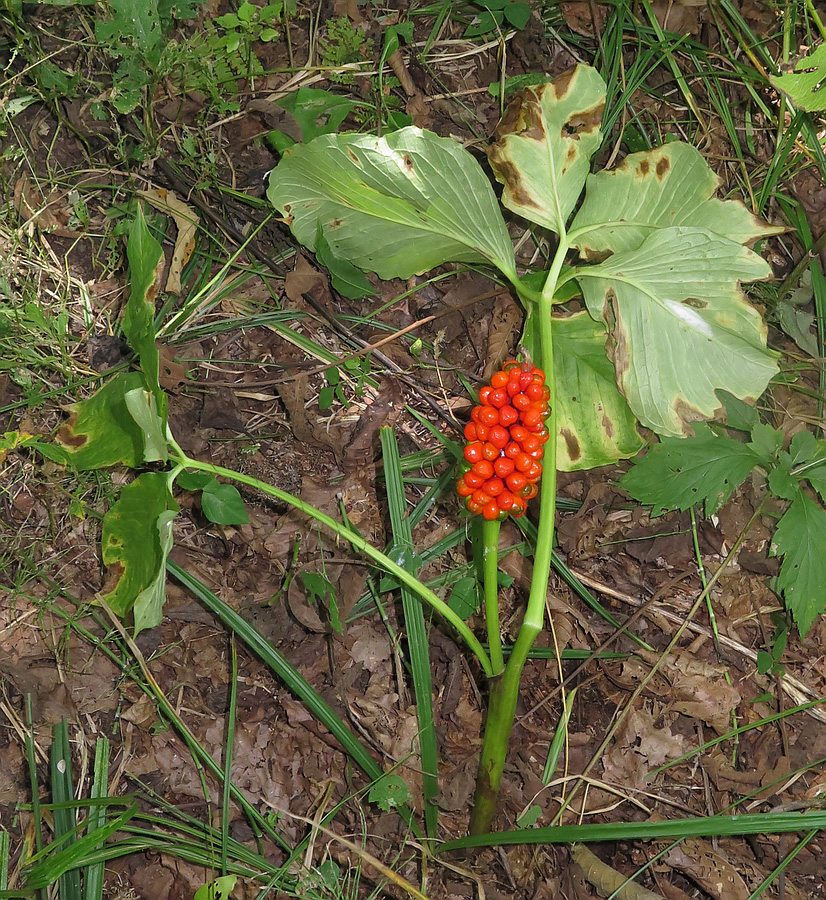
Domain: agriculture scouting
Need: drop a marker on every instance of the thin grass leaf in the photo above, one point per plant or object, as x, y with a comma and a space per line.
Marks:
226, 811
65, 817
558, 740
5, 845
96, 817
702, 826
416, 627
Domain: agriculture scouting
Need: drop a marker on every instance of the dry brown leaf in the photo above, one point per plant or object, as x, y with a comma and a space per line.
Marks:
639, 747
186, 221
506, 319
708, 870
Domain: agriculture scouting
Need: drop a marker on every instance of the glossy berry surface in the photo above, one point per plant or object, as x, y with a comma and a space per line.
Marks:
506, 436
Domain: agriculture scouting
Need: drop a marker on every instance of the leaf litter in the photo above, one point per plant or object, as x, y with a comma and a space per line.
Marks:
282, 758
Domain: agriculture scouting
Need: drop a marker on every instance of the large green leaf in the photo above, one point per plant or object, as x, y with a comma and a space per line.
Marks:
670, 185
545, 143
145, 257
137, 538
397, 205
806, 84
101, 431
679, 325
595, 425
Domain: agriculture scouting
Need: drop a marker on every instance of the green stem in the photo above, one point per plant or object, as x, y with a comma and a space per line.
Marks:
490, 562
353, 537
504, 691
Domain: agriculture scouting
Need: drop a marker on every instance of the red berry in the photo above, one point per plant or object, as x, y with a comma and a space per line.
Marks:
513, 388
505, 500
508, 416
536, 391
473, 452
483, 469
499, 437
531, 417
499, 379
473, 506
512, 450
480, 497
488, 416
525, 380
491, 510
515, 482
503, 466
498, 398
463, 489
470, 432
489, 451
484, 394
521, 402
493, 487
523, 462
518, 434
473, 479
519, 507
529, 492
482, 431
534, 473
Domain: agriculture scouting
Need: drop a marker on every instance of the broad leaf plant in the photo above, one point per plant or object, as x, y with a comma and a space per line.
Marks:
663, 326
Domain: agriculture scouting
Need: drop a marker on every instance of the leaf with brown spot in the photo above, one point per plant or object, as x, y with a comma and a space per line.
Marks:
101, 431
544, 146
670, 185
671, 356
596, 427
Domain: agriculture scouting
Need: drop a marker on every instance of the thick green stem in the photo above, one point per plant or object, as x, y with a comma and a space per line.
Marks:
355, 539
504, 691
490, 564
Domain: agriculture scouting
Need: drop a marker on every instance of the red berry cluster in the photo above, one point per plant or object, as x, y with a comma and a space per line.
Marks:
506, 437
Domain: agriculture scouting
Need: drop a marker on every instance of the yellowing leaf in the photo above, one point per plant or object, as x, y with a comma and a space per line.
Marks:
679, 325
670, 185
545, 143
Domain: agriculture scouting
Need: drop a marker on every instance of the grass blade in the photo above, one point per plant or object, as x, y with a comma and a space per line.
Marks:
416, 626
96, 818
65, 820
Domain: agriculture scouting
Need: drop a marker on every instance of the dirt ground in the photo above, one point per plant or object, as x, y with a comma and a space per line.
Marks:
248, 398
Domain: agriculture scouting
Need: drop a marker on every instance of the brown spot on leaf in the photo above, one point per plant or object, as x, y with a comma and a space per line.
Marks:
571, 154
663, 165
523, 117
607, 426
508, 173
644, 167
571, 444
687, 413
336, 223
694, 303
113, 576
562, 83
353, 158
66, 435
407, 162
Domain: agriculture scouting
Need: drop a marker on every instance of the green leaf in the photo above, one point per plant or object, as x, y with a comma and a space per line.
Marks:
101, 431
143, 409
765, 662
344, 276
220, 889
816, 477
806, 84
681, 473
518, 14
134, 22
670, 185
320, 590
803, 447
766, 442
145, 257
316, 111
544, 146
594, 423
137, 538
390, 793
739, 415
800, 538
397, 205
781, 481
194, 481
222, 504
464, 599
679, 325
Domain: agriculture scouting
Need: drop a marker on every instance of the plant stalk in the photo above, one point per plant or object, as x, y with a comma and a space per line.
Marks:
504, 691
490, 565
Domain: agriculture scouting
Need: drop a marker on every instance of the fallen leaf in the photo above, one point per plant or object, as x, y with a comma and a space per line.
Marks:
186, 221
